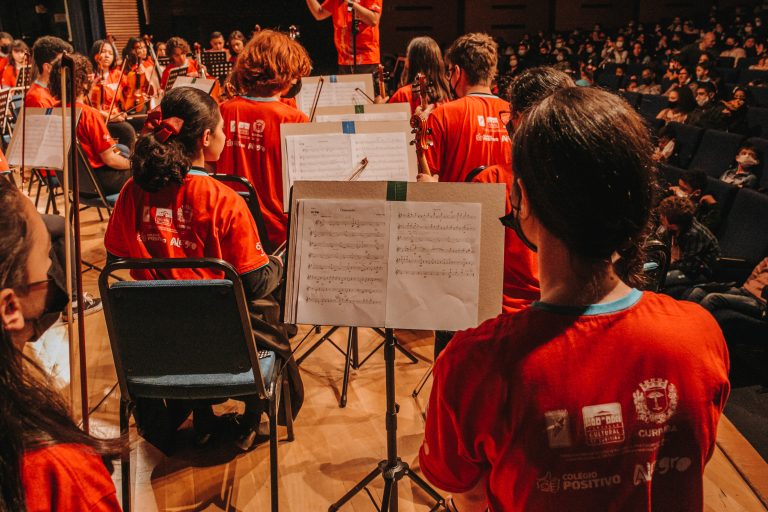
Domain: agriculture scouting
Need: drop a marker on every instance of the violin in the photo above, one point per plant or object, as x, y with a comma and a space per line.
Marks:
135, 94
419, 125
381, 76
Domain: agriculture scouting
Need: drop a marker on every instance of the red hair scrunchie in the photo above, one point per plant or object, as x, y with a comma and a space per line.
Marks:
162, 128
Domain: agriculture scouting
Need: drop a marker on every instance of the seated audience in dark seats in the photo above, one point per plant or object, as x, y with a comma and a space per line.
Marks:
679, 106
762, 64
647, 83
705, 74
732, 49
683, 81
742, 175
691, 54
749, 298
693, 185
669, 78
665, 145
694, 249
707, 111
513, 398
170, 196
46, 462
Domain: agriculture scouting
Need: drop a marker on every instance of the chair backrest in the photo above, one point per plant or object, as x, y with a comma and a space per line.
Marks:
687, 139
750, 75
760, 95
633, 98
757, 120
186, 328
724, 192
252, 200
657, 259
474, 172
716, 152
746, 62
651, 105
761, 145
744, 233
725, 62
87, 183
728, 75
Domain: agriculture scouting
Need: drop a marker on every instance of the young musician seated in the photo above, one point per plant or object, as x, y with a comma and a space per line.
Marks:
11, 72
269, 68
577, 402
110, 167
5, 50
44, 52
177, 50
107, 91
207, 218
48, 463
423, 56
236, 44
217, 43
469, 132
135, 52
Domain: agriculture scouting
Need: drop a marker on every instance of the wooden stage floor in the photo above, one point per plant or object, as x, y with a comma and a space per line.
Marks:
334, 447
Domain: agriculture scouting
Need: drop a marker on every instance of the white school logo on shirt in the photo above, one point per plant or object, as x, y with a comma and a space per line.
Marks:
655, 401
603, 424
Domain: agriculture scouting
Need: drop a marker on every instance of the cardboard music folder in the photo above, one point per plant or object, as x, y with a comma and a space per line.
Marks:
336, 90
394, 254
370, 112
203, 84
332, 151
43, 138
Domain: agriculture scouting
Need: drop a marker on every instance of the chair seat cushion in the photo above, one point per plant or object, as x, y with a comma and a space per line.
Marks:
210, 385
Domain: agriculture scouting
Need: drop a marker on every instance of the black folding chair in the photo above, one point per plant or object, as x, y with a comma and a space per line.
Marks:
187, 340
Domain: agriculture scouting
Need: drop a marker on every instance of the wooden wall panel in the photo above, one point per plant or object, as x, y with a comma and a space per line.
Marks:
506, 19
403, 20
654, 10
121, 19
583, 14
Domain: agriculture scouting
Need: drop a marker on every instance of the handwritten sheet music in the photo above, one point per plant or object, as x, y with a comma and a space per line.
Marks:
332, 94
434, 259
342, 262
42, 142
386, 153
373, 116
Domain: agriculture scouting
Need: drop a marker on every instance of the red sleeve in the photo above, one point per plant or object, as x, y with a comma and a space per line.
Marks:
9, 76
238, 235
435, 153
330, 5
164, 77
401, 96
3, 162
446, 459
373, 5
67, 477
118, 238
95, 130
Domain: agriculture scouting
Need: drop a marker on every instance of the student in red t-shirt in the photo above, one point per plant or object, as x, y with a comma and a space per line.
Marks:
11, 72
110, 167
423, 56
3, 162
368, 15
5, 49
269, 68
172, 209
470, 131
46, 462
45, 51
177, 50
598, 396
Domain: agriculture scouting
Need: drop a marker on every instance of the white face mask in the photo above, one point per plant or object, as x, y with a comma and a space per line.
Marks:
619, 44
702, 100
746, 161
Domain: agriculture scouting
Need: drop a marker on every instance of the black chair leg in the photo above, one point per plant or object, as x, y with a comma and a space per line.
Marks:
273, 448
125, 454
286, 398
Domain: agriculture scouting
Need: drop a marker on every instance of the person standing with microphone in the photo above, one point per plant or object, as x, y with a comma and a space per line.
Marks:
355, 32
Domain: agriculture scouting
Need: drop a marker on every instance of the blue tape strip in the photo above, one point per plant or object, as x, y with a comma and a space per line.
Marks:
348, 127
49, 111
333, 79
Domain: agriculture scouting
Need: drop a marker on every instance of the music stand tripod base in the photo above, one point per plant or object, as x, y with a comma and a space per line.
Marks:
392, 469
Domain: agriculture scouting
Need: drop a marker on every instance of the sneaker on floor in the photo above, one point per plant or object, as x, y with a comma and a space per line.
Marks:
92, 305
251, 439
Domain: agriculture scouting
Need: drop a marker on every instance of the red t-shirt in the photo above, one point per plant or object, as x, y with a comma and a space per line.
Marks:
291, 102
3, 162
3, 63
405, 95
367, 41
192, 70
521, 266
467, 133
111, 83
92, 134
253, 151
38, 96
201, 218
10, 73
613, 407
67, 477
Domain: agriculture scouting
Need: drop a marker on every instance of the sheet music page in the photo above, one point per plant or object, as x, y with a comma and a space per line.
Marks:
387, 155
332, 94
324, 157
434, 256
374, 116
343, 264
43, 141
203, 84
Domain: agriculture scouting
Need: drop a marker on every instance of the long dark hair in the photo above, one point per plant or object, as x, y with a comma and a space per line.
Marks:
424, 56
158, 164
583, 156
96, 49
82, 74
31, 414
128, 54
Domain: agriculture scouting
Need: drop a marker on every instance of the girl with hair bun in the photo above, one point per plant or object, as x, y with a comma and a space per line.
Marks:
598, 396
172, 208
267, 71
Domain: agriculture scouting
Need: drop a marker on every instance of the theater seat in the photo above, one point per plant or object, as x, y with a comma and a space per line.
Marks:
725, 62
757, 119
651, 105
633, 98
750, 75
687, 139
762, 147
723, 192
716, 152
670, 173
744, 233
760, 95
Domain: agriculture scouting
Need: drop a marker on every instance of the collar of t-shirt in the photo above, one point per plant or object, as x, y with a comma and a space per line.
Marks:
40, 84
615, 306
196, 171
482, 95
261, 99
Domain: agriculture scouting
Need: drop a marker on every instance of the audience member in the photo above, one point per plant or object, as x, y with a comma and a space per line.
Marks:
691, 54
648, 84
747, 159
693, 185
679, 106
732, 49
749, 298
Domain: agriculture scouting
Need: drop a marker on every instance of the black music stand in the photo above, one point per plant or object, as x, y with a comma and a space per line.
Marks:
174, 74
392, 469
24, 78
217, 64
6, 115
163, 61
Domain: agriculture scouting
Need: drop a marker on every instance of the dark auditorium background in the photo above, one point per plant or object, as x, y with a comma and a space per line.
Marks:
402, 19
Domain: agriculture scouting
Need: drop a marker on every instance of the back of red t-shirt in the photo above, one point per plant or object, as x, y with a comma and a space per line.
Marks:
39, 96
467, 133
612, 407
3, 162
521, 266
201, 218
367, 41
252, 150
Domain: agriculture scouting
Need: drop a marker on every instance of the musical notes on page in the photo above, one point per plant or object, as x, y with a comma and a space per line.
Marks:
342, 262
434, 258
332, 94
43, 140
374, 116
387, 156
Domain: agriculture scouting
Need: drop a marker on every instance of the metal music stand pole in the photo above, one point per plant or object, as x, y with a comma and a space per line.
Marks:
355, 22
392, 469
